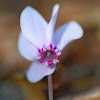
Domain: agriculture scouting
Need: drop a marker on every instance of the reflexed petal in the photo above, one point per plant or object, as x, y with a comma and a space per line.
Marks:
26, 48
37, 71
51, 25
67, 33
33, 26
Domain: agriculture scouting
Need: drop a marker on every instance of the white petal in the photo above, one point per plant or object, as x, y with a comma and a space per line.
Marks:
33, 26
27, 49
51, 25
67, 33
37, 71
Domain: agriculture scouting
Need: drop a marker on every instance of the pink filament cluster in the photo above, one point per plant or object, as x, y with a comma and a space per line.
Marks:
53, 60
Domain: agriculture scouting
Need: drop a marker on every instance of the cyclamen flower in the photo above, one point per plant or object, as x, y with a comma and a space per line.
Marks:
39, 42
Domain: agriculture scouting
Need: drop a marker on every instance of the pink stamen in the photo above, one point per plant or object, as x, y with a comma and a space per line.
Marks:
57, 57
41, 51
41, 60
50, 62
53, 49
50, 45
50, 51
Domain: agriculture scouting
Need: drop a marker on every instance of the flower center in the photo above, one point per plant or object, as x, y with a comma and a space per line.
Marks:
49, 55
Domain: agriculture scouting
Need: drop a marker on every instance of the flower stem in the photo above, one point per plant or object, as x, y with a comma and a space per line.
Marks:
50, 88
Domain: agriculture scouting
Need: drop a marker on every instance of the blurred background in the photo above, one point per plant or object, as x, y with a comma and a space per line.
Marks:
78, 74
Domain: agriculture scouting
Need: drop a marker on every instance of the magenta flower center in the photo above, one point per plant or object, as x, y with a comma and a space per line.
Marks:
49, 56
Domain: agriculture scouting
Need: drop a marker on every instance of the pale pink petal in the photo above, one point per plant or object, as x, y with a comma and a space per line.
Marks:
27, 49
33, 26
51, 25
37, 71
67, 33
